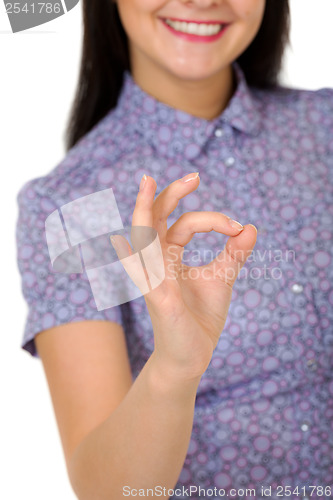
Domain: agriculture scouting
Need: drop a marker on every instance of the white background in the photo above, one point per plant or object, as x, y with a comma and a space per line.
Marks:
39, 69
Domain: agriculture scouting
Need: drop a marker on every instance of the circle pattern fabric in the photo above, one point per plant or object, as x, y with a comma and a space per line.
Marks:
264, 407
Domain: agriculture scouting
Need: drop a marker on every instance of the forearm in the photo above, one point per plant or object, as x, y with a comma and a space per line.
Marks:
142, 444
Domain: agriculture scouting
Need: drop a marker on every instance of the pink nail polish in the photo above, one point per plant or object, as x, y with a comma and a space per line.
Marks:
235, 224
190, 177
143, 182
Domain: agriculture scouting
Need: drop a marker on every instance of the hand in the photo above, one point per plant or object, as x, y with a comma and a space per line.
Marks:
187, 314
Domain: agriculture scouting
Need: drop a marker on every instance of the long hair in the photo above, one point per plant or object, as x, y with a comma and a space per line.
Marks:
105, 56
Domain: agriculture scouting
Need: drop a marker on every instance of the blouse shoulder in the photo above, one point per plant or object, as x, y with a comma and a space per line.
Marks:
308, 110
287, 94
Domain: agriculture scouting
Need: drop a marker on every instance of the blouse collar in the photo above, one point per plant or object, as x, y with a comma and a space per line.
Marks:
155, 120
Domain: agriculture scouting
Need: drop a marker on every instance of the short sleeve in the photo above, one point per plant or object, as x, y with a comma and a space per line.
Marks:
53, 298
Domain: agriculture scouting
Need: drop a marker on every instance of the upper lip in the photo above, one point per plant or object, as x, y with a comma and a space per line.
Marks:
193, 21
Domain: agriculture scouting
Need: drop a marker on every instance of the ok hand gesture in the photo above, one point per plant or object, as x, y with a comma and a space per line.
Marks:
187, 314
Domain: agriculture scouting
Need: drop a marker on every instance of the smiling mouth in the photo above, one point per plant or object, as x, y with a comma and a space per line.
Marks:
196, 28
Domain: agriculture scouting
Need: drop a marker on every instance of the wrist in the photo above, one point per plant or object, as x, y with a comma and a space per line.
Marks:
172, 381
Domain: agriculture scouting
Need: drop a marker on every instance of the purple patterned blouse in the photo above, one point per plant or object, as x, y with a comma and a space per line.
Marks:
264, 407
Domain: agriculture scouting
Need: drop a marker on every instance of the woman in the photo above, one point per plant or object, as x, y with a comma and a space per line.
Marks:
183, 388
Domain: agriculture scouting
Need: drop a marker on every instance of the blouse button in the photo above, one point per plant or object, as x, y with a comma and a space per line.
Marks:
230, 161
218, 132
305, 427
297, 288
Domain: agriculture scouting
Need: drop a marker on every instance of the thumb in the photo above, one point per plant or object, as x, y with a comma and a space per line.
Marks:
232, 258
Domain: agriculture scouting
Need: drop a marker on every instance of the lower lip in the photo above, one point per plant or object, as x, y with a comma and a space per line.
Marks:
196, 38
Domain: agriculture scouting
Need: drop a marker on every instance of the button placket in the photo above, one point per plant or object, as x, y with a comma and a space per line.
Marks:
301, 301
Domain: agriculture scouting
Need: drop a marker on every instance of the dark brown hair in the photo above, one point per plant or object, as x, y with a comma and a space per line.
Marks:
105, 56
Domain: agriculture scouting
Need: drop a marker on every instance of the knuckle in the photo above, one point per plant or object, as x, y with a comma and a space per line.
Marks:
236, 255
185, 218
158, 219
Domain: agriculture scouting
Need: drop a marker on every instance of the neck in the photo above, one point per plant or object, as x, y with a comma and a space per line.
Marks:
205, 98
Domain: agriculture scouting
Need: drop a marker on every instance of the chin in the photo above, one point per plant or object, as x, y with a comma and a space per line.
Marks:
193, 72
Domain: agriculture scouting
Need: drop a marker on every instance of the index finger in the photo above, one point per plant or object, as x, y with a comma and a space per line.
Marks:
167, 200
148, 212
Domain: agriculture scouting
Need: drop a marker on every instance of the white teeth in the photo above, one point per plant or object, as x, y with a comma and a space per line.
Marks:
201, 29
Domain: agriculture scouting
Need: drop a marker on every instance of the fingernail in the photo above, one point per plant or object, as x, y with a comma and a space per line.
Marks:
190, 177
235, 224
143, 182
114, 243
